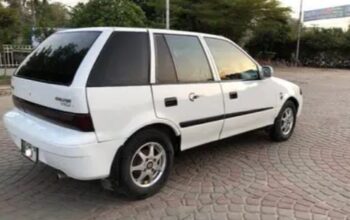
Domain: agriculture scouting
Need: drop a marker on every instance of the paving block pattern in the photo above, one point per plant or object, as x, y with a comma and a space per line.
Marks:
244, 177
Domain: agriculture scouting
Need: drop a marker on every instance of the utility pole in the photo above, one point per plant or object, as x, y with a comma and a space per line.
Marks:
300, 26
167, 16
33, 7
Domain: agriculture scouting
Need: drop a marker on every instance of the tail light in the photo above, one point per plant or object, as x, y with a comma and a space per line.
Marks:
77, 121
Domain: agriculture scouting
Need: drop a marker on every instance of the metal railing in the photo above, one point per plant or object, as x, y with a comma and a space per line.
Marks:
12, 55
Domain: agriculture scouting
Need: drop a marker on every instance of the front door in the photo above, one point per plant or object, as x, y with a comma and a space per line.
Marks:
185, 91
249, 101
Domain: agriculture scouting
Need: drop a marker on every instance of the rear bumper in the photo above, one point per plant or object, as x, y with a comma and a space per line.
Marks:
78, 154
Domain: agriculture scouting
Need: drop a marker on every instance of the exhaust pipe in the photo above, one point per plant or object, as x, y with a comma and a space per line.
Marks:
61, 175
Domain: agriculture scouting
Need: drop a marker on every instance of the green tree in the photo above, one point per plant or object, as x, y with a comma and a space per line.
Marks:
107, 13
324, 47
50, 16
272, 36
40, 14
347, 42
231, 18
9, 21
154, 11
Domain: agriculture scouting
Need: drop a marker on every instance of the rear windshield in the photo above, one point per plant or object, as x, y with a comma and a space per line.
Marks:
57, 59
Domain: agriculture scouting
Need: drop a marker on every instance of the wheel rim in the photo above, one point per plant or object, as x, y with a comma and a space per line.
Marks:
287, 121
148, 164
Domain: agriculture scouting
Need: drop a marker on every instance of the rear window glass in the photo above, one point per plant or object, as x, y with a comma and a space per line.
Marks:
123, 61
57, 59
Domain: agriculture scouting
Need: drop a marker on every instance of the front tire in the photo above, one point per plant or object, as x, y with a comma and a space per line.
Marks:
145, 164
284, 124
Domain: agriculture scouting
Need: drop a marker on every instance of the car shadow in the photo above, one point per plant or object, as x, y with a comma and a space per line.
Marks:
31, 187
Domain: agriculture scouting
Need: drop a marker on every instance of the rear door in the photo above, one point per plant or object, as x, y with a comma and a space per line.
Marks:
185, 91
249, 101
118, 88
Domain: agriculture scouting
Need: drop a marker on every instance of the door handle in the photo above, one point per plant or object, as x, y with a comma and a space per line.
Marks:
233, 95
192, 96
171, 101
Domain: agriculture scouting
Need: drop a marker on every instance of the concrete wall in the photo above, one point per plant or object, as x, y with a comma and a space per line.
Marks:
9, 71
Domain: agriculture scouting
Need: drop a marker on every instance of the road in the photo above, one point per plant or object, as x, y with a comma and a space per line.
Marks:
247, 176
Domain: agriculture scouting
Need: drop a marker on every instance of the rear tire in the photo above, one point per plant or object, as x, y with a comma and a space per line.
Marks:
145, 164
284, 124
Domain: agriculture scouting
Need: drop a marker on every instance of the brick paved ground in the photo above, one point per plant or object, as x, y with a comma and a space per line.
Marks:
246, 177
5, 90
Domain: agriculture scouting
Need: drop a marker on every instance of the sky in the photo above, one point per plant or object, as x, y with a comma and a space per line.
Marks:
294, 4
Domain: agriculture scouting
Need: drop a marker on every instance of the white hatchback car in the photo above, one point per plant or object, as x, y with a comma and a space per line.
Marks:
116, 103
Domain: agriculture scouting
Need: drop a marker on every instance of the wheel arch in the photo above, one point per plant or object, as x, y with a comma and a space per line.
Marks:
294, 100
172, 131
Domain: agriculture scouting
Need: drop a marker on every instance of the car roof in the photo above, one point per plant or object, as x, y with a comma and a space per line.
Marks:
166, 31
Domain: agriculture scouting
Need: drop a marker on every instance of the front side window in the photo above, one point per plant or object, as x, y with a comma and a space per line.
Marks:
188, 58
123, 61
57, 59
232, 63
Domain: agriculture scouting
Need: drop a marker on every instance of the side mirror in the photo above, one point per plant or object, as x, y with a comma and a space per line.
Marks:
267, 71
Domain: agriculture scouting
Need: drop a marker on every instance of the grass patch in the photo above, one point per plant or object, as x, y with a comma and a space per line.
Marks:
5, 80
2, 77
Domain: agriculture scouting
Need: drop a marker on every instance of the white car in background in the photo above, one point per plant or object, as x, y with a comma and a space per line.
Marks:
116, 103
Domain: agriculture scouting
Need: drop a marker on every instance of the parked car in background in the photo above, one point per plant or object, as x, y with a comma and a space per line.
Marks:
116, 103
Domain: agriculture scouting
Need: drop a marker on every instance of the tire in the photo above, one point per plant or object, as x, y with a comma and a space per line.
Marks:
150, 172
283, 128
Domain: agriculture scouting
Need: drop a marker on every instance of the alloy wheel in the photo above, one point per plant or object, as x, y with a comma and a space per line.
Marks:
148, 164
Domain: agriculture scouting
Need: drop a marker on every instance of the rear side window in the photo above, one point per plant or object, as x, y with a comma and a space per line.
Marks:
57, 59
124, 60
189, 59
